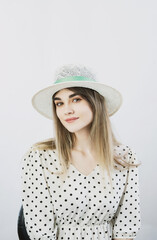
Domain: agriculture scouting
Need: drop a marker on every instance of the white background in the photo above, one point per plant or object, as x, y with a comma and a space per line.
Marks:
115, 38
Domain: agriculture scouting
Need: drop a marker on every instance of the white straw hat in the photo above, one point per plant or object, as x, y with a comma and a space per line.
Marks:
72, 75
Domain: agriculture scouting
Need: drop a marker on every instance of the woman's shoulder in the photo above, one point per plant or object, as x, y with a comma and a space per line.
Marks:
46, 156
126, 153
41, 147
41, 152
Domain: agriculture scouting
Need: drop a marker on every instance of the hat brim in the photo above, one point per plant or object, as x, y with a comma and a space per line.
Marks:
42, 100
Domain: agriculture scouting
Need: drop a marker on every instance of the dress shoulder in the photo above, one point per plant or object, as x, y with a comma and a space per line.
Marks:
126, 154
47, 158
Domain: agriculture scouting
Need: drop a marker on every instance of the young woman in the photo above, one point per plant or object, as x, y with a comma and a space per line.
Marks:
83, 183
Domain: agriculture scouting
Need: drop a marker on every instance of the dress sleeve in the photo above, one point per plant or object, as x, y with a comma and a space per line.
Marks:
127, 219
36, 199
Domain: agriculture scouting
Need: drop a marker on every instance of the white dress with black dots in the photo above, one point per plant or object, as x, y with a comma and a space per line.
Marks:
80, 207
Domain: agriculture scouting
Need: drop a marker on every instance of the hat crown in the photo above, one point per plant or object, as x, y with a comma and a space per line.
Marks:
72, 70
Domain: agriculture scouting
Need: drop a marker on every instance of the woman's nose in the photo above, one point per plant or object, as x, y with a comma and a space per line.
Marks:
68, 110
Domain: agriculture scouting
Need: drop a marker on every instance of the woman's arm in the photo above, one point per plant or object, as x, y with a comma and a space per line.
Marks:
36, 198
127, 219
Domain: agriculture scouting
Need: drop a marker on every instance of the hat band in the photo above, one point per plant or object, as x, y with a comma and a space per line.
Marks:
74, 78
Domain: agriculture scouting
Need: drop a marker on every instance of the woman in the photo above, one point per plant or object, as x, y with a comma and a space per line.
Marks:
83, 183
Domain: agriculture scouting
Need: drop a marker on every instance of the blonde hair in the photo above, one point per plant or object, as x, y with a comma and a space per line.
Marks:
100, 133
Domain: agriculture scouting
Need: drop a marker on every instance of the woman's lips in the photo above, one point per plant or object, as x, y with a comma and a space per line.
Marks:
71, 120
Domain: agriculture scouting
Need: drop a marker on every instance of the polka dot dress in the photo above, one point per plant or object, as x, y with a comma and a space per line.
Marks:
79, 207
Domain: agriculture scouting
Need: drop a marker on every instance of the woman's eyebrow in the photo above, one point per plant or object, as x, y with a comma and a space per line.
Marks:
70, 96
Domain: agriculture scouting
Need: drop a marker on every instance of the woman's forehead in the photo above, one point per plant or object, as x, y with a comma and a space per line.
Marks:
64, 91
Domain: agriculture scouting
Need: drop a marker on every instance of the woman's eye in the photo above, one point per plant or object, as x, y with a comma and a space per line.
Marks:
57, 104
76, 99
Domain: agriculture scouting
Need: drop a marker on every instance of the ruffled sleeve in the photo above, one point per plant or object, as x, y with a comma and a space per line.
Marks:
127, 219
36, 198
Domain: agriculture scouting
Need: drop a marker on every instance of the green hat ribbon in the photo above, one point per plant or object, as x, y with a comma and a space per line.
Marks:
74, 78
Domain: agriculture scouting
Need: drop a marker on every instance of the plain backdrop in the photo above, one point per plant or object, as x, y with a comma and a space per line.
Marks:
118, 40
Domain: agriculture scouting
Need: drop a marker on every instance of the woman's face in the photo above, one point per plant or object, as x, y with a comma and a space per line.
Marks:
69, 105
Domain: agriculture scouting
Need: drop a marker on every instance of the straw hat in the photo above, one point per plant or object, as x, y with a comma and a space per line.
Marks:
72, 75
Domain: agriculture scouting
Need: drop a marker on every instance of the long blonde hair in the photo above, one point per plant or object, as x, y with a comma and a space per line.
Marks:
100, 133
